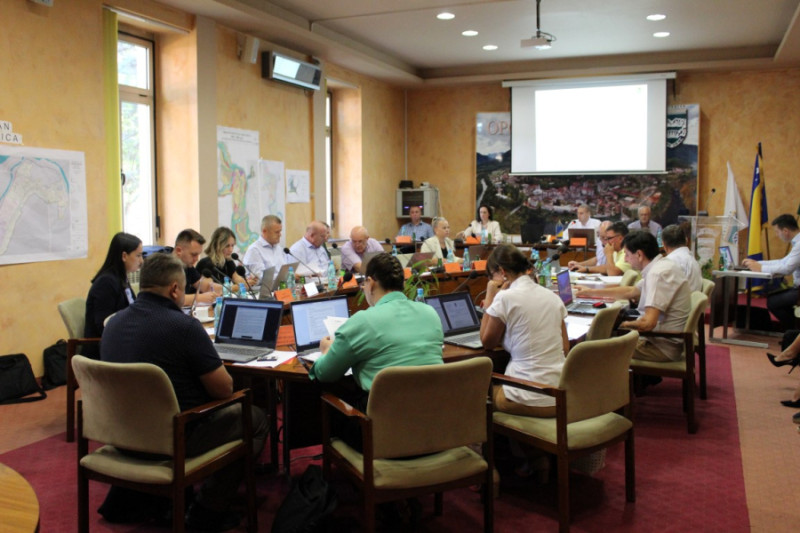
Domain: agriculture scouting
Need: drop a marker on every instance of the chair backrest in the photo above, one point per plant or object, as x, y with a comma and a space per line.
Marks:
629, 278
425, 409
708, 287
127, 405
699, 303
73, 313
595, 376
603, 323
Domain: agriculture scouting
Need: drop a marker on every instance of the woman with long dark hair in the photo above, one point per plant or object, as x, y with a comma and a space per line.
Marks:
110, 289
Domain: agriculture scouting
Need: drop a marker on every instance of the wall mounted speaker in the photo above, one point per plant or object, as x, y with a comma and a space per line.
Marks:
250, 50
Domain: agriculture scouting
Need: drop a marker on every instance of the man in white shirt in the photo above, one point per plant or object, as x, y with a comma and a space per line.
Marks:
645, 223
781, 303
678, 252
600, 256
267, 251
309, 251
353, 250
584, 221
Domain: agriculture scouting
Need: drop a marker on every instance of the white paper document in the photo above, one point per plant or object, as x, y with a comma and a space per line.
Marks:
332, 323
270, 361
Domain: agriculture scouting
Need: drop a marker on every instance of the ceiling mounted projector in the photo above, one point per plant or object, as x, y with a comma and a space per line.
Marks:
542, 40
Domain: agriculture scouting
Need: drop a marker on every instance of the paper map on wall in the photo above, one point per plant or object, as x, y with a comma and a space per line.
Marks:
42, 205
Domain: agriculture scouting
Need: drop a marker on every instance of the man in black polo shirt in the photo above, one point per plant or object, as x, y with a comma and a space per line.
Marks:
188, 246
154, 330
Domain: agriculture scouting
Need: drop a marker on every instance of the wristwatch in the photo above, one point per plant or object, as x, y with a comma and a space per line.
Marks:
586, 271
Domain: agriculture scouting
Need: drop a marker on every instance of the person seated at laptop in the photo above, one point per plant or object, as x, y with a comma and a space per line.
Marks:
353, 250
601, 248
781, 303
663, 295
155, 330
613, 249
440, 245
309, 251
110, 290
267, 251
188, 245
676, 245
528, 321
483, 223
218, 258
584, 221
393, 331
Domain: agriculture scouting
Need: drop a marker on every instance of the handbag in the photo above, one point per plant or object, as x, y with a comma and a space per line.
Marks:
307, 505
17, 380
55, 365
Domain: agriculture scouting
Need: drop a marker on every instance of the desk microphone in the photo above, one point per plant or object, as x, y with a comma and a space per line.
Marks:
472, 275
287, 251
334, 245
243, 273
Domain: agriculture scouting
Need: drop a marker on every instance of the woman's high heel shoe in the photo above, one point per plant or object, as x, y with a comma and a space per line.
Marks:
794, 361
791, 403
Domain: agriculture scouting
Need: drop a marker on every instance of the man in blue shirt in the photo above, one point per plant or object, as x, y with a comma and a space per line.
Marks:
417, 227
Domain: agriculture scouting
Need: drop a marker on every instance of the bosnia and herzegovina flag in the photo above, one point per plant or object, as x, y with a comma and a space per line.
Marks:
758, 212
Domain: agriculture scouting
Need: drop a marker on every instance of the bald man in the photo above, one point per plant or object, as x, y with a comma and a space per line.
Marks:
310, 252
353, 250
645, 223
599, 258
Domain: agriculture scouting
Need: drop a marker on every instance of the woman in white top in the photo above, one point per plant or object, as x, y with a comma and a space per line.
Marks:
440, 245
483, 222
528, 320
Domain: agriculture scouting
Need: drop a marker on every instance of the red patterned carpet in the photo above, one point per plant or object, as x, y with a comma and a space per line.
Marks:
684, 482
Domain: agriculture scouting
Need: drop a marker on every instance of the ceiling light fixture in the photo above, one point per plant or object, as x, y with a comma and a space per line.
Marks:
469, 33
656, 16
661, 34
445, 16
490, 47
542, 40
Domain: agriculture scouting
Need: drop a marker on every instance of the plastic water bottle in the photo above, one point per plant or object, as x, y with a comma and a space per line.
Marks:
290, 280
466, 260
483, 236
546, 274
394, 250
414, 236
332, 280
226, 287
658, 238
450, 257
420, 295
217, 312
242, 291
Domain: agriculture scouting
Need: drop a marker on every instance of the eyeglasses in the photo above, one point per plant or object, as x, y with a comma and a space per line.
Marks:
608, 238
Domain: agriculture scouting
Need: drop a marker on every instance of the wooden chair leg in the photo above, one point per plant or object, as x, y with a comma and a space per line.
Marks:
701, 357
83, 502
630, 469
690, 405
71, 386
488, 504
178, 509
369, 512
563, 493
438, 504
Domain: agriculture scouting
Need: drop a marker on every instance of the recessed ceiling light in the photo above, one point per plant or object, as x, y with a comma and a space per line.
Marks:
661, 34
656, 16
490, 47
469, 33
445, 16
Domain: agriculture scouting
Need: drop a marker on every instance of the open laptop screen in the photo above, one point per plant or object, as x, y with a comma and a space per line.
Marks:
564, 287
308, 317
725, 251
249, 322
455, 310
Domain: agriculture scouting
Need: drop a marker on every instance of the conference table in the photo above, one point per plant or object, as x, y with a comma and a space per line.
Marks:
730, 279
19, 506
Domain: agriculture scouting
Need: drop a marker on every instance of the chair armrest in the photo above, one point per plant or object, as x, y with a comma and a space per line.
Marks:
72, 344
665, 334
342, 406
524, 384
240, 396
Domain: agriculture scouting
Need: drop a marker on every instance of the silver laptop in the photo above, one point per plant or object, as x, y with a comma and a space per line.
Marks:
247, 329
459, 320
368, 256
283, 274
725, 251
579, 307
265, 293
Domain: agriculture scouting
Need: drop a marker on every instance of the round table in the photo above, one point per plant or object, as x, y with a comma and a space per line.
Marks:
19, 506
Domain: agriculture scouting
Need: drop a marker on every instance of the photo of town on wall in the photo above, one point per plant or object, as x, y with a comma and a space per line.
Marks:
551, 202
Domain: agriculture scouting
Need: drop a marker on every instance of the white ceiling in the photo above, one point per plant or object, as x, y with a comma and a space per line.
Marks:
403, 42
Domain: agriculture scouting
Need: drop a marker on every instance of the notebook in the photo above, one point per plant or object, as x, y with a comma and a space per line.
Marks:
459, 320
308, 316
725, 251
580, 307
247, 329
266, 284
283, 274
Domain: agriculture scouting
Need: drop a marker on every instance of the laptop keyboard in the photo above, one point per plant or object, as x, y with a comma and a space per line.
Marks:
473, 337
243, 350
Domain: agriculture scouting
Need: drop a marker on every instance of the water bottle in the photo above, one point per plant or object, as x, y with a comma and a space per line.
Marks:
394, 250
332, 280
298, 288
658, 238
466, 260
450, 257
546, 274
420, 295
414, 236
226, 287
290, 280
217, 312
722, 262
483, 236
242, 291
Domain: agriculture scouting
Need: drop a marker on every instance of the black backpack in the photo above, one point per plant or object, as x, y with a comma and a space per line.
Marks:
309, 502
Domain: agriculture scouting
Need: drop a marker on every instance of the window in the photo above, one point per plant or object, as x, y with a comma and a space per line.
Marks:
137, 136
329, 215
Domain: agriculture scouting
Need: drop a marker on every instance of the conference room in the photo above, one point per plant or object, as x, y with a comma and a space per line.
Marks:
400, 114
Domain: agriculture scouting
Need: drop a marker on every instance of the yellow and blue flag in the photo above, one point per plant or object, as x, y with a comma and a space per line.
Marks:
758, 212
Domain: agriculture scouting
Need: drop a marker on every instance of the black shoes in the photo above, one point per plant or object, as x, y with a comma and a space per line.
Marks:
792, 362
791, 403
200, 518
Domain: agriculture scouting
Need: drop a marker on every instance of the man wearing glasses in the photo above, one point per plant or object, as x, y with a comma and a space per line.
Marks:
599, 258
617, 265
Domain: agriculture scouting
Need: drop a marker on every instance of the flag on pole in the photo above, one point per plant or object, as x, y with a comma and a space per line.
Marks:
734, 208
758, 212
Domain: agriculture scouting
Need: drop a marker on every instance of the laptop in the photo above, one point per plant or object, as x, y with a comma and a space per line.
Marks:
478, 252
579, 307
725, 251
308, 316
459, 320
247, 329
419, 257
531, 232
283, 274
368, 256
265, 293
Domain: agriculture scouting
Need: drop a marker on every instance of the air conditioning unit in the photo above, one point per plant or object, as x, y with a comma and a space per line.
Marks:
286, 69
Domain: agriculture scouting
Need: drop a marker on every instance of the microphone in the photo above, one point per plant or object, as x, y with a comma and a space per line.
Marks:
334, 245
387, 240
243, 273
287, 251
472, 275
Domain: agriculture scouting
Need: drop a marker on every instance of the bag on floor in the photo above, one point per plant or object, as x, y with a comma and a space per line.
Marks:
17, 380
55, 365
309, 502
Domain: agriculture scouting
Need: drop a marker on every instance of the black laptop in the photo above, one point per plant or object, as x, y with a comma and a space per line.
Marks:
459, 321
308, 316
247, 329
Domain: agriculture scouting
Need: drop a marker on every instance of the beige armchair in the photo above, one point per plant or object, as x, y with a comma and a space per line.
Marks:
114, 410
593, 411
683, 369
700, 339
73, 313
603, 323
434, 412
629, 278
